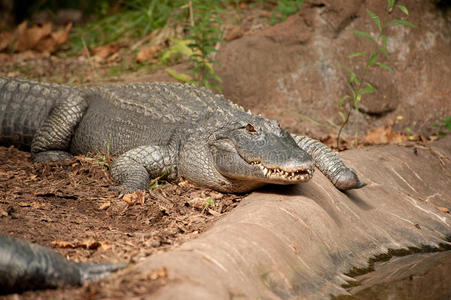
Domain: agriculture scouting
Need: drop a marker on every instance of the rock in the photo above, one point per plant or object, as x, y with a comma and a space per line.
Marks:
293, 70
305, 241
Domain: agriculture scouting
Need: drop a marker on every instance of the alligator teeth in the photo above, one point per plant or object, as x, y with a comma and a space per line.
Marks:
293, 175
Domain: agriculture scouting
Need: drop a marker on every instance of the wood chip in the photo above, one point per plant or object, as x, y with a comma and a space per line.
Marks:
443, 209
105, 205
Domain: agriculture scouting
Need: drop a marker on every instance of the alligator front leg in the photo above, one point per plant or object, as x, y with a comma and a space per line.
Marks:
51, 142
329, 163
134, 168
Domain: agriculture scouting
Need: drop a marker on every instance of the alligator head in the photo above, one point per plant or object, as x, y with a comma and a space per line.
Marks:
241, 156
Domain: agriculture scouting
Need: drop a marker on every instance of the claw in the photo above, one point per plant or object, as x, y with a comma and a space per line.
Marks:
348, 180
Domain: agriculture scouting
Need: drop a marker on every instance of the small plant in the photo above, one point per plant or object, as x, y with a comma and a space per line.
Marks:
102, 157
205, 33
136, 19
357, 83
444, 126
284, 9
200, 45
209, 203
155, 183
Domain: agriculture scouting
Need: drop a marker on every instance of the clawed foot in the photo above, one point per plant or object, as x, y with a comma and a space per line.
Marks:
93, 271
123, 189
54, 155
347, 180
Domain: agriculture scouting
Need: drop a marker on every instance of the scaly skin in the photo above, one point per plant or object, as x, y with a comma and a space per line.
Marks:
158, 128
25, 266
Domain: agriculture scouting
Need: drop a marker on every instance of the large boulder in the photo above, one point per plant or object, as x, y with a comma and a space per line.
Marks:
308, 240
293, 71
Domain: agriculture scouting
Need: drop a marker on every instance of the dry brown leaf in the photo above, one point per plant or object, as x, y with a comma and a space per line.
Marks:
213, 212
3, 213
105, 205
134, 198
89, 244
146, 53
384, 136
28, 38
234, 33
266, 14
62, 36
23, 56
6, 38
5, 58
104, 246
104, 51
63, 244
24, 204
40, 38
45, 45
159, 273
6, 175
443, 209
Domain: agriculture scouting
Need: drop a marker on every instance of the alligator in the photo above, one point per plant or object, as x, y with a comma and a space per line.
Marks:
175, 129
162, 128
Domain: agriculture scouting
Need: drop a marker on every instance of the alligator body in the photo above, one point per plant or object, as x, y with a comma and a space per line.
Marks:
154, 129
158, 128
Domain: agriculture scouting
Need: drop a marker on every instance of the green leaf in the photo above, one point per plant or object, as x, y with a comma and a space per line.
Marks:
391, 3
375, 19
368, 89
357, 101
355, 54
384, 40
342, 101
383, 50
369, 85
447, 122
342, 116
180, 46
179, 76
402, 8
363, 34
401, 22
385, 66
352, 78
373, 59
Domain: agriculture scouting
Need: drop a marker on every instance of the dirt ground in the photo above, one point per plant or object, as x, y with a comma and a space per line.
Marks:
68, 206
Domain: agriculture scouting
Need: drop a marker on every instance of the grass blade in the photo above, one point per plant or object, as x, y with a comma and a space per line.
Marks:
373, 59
355, 54
403, 9
363, 34
401, 22
375, 19
387, 67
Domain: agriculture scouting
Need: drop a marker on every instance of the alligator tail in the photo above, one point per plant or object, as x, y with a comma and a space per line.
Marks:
329, 163
25, 266
24, 105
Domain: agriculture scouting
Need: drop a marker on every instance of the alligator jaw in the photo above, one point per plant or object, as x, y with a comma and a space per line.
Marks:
290, 176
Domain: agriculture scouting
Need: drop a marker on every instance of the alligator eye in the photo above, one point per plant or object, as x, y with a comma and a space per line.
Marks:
250, 129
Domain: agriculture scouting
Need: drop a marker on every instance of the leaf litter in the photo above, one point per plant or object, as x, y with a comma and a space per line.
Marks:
70, 208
